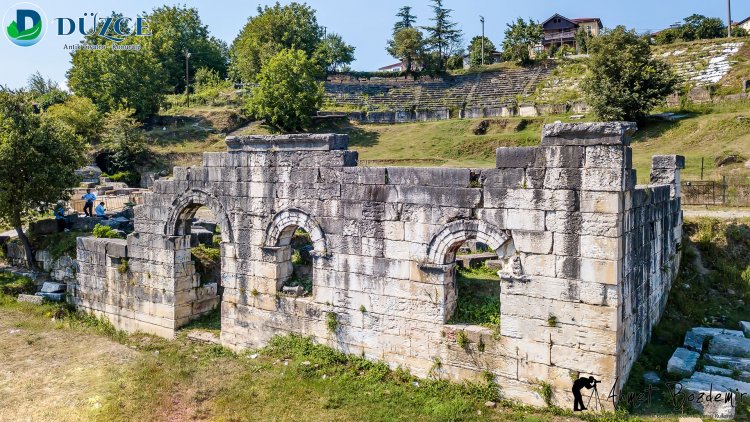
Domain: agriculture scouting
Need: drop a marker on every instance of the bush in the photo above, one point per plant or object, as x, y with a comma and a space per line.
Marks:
131, 178
14, 285
105, 232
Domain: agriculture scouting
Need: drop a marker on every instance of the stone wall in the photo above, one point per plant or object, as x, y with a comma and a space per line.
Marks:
385, 239
62, 269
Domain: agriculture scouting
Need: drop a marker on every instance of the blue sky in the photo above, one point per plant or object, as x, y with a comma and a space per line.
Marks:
364, 24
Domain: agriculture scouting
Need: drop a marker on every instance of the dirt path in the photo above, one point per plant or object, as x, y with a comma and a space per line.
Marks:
51, 374
725, 214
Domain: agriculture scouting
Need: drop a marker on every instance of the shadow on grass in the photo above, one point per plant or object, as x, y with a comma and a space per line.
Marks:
209, 322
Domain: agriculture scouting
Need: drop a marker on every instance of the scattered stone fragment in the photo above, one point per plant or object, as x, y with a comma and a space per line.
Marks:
52, 297
745, 328
37, 300
204, 337
695, 337
682, 362
294, 290
651, 378
740, 364
490, 404
52, 287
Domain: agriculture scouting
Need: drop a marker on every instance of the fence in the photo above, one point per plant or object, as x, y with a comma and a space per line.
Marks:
733, 192
111, 202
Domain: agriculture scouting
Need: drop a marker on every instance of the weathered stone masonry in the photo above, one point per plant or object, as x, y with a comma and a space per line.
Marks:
588, 257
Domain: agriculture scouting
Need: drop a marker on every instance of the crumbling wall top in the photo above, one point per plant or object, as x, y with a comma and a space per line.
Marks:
585, 134
292, 142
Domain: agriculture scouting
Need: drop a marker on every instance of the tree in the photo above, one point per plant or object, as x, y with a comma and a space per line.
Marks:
38, 159
739, 31
699, 27
39, 86
475, 51
333, 53
405, 19
443, 37
125, 140
624, 81
407, 45
274, 29
288, 91
520, 38
582, 41
176, 29
81, 115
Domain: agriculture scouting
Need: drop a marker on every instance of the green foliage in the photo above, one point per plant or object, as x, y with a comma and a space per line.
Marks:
273, 30
58, 244
12, 285
105, 232
115, 79
478, 297
123, 266
405, 19
520, 38
624, 81
582, 41
475, 51
207, 260
332, 322
125, 139
81, 115
333, 54
362, 309
406, 45
38, 159
739, 31
176, 29
544, 389
443, 37
288, 91
131, 178
462, 340
455, 61
552, 321
694, 27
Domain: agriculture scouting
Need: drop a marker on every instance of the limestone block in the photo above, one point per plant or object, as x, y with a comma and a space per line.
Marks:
730, 346
745, 326
601, 247
534, 178
602, 202
695, 337
688, 392
425, 176
458, 197
560, 156
533, 242
600, 365
49, 287
515, 157
502, 178
683, 362
600, 270
565, 244
541, 265
529, 220
600, 133
603, 179
668, 162
618, 157
562, 178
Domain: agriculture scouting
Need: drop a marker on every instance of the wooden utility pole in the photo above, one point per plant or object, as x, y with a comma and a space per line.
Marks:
729, 18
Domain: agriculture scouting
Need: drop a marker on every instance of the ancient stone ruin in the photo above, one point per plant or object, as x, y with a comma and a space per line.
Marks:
587, 257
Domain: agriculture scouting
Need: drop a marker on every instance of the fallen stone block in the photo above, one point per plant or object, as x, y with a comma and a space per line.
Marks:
745, 328
724, 383
204, 337
696, 394
740, 364
37, 300
52, 287
731, 373
294, 291
730, 346
651, 378
52, 297
682, 362
695, 337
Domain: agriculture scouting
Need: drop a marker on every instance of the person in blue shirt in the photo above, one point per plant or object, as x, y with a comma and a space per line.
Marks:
89, 207
101, 212
59, 212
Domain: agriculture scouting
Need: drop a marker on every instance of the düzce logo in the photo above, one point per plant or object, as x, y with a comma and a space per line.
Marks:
24, 24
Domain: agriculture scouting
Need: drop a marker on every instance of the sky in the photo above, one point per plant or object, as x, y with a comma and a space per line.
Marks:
365, 24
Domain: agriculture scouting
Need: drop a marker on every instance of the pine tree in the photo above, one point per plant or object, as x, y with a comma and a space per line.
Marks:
406, 19
443, 36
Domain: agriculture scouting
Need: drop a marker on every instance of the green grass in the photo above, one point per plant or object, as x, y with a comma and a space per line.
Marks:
12, 285
478, 297
716, 299
207, 260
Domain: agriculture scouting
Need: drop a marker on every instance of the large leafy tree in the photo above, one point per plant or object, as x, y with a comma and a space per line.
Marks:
475, 51
288, 91
334, 54
520, 37
274, 29
179, 29
405, 19
625, 81
38, 159
407, 45
443, 36
115, 79
125, 140
81, 115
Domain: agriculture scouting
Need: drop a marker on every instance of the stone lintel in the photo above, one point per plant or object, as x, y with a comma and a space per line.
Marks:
588, 134
291, 142
436, 268
671, 162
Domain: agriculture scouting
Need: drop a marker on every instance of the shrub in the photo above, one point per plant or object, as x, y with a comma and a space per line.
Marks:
105, 232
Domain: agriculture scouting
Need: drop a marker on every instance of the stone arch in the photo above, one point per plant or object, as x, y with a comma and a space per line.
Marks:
184, 208
444, 244
284, 223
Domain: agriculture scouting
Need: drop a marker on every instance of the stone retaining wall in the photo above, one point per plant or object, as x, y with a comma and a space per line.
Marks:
570, 228
62, 269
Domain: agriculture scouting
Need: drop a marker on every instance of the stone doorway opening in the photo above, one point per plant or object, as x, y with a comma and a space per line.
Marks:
297, 272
